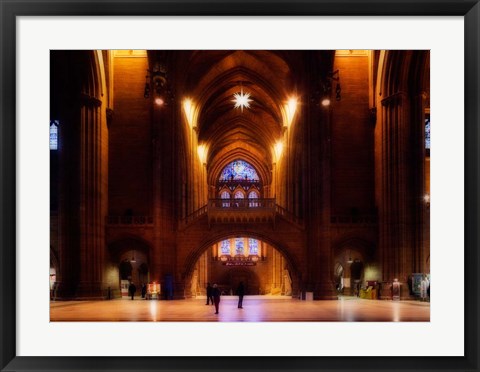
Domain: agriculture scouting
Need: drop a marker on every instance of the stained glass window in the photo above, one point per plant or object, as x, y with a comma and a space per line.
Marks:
239, 195
225, 246
253, 246
54, 134
239, 170
225, 195
253, 195
239, 246
427, 133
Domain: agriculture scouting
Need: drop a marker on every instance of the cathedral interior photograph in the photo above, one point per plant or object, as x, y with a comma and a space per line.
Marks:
239, 186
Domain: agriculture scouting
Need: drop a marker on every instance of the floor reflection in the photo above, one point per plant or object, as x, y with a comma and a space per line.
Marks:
255, 309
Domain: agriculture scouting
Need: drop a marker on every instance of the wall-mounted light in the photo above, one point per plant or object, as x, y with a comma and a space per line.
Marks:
156, 80
202, 153
426, 199
278, 148
324, 93
133, 257
289, 110
190, 112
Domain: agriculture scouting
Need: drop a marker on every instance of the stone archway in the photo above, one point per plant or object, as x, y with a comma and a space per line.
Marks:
128, 261
286, 267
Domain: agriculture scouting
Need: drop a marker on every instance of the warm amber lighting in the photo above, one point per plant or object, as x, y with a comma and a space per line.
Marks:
326, 102
289, 109
159, 101
426, 198
202, 153
278, 149
189, 109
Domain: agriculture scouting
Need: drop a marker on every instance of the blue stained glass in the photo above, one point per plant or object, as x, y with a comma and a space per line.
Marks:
239, 170
427, 133
225, 246
239, 249
253, 246
54, 134
239, 195
253, 195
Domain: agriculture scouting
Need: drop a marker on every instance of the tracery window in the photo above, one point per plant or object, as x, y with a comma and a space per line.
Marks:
239, 170
225, 195
253, 195
239, 195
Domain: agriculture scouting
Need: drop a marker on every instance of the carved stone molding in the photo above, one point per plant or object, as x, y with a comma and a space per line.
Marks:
87, 100
394, 99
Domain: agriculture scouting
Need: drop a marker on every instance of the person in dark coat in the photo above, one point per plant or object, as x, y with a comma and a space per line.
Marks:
216, 297
144, 290
240, 294
132, 289
209, 294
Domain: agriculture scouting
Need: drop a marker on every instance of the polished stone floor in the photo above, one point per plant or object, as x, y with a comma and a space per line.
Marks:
255, 309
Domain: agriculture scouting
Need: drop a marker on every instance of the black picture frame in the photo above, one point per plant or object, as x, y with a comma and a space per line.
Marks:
10, 9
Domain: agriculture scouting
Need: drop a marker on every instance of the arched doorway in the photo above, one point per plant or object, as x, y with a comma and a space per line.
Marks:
262, 268
129, 262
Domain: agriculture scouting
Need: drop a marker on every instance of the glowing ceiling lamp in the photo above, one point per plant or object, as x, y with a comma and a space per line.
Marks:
241, 100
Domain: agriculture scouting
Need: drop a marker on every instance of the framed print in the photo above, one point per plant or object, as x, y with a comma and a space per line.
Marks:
246, 185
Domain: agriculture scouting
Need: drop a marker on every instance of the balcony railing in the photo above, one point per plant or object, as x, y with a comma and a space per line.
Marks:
241, 210
236, 204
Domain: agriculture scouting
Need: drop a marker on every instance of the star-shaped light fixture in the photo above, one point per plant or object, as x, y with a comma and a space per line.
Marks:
241, 100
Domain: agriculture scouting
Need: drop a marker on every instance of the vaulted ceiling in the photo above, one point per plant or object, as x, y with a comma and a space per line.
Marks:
211, 78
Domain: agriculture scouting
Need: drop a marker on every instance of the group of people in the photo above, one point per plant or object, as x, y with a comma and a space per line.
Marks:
213, 295
132, 288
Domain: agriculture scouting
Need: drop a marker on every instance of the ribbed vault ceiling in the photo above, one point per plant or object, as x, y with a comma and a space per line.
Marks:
211, 78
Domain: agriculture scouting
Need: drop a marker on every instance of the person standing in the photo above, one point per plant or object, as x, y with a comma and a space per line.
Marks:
240, 294
144, 290
209, 294
132, 289
216, 297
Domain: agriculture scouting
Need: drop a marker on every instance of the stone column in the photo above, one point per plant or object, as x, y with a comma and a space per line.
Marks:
93, 187
317, 182
401, 208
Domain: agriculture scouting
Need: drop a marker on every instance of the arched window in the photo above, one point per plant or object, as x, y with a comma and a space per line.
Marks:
253, 246
225, 247
239, 246
225, 195
253, 195
239, 170
53, 134
239, 195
